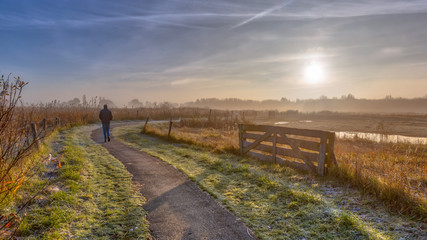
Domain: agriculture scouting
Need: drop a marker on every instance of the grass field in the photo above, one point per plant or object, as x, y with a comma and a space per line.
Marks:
394, 173
277, 202
91, 195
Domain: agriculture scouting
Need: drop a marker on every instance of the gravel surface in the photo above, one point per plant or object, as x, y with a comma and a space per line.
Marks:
177, 208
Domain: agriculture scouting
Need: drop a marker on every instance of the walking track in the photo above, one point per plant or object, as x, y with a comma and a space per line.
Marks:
177, 208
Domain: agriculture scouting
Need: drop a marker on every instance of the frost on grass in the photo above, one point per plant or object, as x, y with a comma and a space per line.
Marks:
96, 198
275, 202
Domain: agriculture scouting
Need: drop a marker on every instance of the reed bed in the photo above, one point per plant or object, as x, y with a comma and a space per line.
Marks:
394, 173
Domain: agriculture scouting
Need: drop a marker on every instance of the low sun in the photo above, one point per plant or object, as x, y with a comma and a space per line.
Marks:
314, 73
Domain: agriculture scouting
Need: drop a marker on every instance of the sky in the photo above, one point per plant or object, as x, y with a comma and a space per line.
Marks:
182, 50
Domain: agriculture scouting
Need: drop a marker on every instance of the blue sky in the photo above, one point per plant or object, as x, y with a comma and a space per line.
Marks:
181, 50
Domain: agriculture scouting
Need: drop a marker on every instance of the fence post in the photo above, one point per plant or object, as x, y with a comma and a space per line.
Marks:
274, 147
58, 122
27, 132
145, 125
322, 154
44, 124
330, 150
170, 127
241, 138
34, 133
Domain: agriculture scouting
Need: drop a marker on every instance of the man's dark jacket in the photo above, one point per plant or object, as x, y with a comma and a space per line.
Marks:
106, 116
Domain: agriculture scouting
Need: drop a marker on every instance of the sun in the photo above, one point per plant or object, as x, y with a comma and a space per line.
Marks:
314, 73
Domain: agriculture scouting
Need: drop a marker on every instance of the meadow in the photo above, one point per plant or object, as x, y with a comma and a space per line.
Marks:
277, 202
34, 203
395, 173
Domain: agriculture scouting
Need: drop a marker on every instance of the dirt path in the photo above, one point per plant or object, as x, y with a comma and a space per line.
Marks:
177, 208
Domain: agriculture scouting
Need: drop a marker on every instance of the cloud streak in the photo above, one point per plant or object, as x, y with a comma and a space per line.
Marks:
219, 14
262, 14
148, 47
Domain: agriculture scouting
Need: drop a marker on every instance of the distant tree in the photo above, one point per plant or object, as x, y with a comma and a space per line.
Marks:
84, 101
73, 103
135, 103
103, 101
167, 105
348, 97
150, 104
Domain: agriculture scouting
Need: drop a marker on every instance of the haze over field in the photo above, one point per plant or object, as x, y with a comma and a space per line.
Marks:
182, 50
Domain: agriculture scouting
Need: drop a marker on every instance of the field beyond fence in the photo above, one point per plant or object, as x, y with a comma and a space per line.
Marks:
395, 173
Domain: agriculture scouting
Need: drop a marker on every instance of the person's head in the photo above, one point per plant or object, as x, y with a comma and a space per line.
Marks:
105, 106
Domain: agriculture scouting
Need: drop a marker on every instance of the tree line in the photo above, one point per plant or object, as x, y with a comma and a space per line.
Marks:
347, 103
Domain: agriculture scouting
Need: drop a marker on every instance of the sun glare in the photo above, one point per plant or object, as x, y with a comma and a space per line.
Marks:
314, 73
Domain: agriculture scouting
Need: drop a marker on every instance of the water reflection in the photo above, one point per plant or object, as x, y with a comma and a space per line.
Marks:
284, 123
376, 137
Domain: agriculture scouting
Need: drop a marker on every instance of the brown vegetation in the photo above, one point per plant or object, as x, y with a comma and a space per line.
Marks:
394, 173
16, 141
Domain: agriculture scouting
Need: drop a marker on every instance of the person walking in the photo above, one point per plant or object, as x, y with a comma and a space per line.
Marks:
106, 116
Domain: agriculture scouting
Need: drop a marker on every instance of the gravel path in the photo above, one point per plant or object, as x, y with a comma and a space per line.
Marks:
177, 208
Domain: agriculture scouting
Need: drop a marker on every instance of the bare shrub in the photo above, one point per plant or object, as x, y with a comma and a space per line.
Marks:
16, 141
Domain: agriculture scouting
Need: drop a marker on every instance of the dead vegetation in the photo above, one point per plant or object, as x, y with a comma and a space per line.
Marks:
17, 140
395, 173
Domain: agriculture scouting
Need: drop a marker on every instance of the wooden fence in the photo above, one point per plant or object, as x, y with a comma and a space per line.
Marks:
37, 131
311, 150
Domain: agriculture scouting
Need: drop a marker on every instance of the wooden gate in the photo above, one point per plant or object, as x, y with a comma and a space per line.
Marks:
311, 150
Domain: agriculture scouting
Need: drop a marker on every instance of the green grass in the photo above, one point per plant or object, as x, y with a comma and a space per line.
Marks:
94, 196
272, 200
393, 173
32, 185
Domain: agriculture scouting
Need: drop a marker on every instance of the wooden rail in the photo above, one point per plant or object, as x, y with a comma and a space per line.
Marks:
311, 150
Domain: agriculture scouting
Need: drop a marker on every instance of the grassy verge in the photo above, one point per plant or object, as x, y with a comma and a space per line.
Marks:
13, 206
216, 140
91, 197
274, 201
396, 174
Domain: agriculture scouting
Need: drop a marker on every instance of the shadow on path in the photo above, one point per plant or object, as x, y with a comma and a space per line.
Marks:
177, 208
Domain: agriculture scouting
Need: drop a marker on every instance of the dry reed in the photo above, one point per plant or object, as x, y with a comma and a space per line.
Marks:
396, 174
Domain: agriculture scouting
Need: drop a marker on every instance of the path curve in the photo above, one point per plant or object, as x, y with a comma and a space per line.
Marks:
177, 208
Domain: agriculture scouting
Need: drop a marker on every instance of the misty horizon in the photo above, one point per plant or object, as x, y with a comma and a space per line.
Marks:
346, 103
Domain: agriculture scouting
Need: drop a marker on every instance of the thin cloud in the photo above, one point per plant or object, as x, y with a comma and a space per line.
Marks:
181, 82
342, 9
261, 14
220, 14
391, 51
